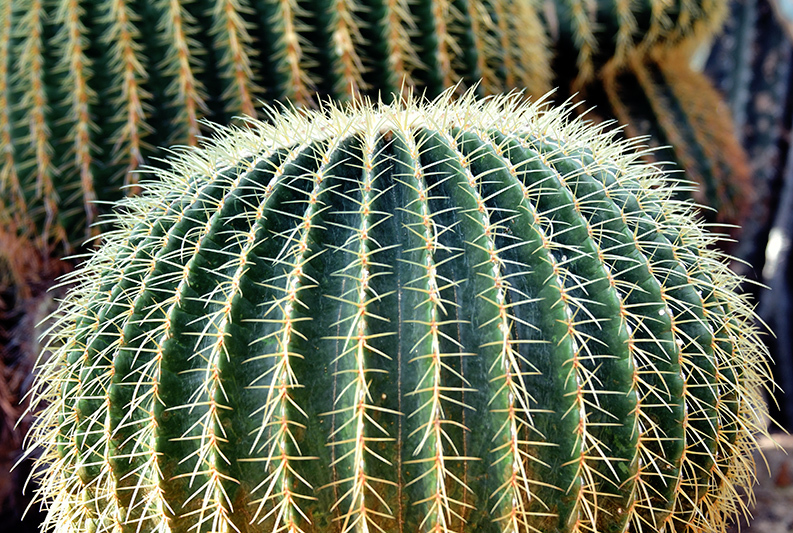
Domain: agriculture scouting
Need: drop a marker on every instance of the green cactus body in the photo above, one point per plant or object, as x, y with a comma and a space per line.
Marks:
452, 316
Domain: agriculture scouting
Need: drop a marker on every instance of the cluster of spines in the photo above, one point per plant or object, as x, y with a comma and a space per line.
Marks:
589, 210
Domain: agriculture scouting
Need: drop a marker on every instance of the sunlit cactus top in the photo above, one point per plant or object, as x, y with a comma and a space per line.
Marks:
422, 317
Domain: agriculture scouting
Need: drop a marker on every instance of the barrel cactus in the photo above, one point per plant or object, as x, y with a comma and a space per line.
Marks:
471, 315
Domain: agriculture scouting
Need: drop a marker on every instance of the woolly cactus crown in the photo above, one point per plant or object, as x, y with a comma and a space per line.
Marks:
448, 316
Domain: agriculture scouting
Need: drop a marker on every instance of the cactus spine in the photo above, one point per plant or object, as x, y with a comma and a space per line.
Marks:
451, 316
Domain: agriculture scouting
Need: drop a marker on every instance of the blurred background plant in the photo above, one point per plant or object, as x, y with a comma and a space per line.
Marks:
751, 65
90, 91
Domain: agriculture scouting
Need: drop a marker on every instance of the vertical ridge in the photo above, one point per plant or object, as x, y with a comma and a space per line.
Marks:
186, 415
269, 32
693, 336
92, 432
233, 244
346, 40
230, 35
597, 325
436, 45
35, 103
185, 91
531, 47
486, 60
581, 23
9, 179
302, 84
357, 433
617, 424
466, 47
509, 64
508, 397
274, 356
540, 313
138, 365
227, 435
136, 479
85, 424
128, 93
72, 42
15, 220
238, 450
402, 57
627, 28
433, 486
715, 287
652, 344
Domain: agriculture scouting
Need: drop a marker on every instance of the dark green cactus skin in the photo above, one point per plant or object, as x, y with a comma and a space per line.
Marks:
448, 317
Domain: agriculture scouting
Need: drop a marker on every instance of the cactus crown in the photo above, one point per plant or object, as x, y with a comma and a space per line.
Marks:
449, 316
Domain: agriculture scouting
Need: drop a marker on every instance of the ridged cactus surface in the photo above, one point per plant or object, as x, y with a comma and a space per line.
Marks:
471, 316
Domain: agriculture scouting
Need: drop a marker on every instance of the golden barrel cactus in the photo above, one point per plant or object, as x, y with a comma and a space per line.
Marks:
421, 317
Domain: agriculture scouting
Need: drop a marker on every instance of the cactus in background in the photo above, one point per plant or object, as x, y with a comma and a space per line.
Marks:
658, 95
752, 65
600, 33
634, 66
88, 88
456, 316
